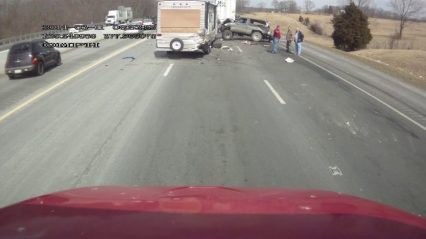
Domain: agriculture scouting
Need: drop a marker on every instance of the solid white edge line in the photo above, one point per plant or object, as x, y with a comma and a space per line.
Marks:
239, 49
365, 92
274, 92
58, 84
168, 70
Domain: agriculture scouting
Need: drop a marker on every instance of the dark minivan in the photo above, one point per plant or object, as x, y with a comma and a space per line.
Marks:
31, 57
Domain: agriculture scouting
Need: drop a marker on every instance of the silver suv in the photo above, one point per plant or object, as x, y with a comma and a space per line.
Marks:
257, 29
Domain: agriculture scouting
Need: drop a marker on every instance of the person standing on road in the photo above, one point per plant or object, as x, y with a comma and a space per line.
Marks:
298, 39
289, 38
276, 39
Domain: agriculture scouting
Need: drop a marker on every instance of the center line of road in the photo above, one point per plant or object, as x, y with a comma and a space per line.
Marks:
60, 83
168, 70
365, 92
239, 49
274, 92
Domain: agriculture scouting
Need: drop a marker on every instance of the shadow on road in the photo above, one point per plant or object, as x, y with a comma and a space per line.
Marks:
30, 75
178, 55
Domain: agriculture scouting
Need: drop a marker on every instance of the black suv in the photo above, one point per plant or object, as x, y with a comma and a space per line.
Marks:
31, 57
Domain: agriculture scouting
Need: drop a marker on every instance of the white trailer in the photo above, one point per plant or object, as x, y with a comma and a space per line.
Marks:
186, 26
226, 9
129, 14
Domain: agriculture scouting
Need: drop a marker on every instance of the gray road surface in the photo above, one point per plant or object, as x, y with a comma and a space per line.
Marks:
189, 119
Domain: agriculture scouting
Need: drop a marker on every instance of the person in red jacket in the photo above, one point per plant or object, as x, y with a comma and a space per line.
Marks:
276, 39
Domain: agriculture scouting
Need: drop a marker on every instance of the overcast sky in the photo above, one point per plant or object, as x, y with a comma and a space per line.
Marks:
319, 3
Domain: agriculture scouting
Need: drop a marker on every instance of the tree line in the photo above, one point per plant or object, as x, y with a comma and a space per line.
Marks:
18, 17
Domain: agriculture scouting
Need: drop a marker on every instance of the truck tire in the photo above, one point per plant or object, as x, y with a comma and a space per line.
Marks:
176, 44
256, 36
217, 43
207, 49
227, 34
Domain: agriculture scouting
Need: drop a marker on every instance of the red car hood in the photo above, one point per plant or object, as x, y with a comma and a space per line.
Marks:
205, 212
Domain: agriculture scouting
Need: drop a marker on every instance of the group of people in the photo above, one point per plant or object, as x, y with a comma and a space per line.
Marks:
298, 38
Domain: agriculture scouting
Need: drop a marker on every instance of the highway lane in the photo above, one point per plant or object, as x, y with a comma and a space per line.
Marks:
168, 119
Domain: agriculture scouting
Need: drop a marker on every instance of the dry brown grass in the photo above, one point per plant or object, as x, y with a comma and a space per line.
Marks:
408, 56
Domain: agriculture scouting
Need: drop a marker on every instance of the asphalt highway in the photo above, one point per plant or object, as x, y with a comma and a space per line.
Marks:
240, 117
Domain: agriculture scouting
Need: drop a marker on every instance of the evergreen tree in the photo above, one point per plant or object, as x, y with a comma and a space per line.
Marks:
351, 30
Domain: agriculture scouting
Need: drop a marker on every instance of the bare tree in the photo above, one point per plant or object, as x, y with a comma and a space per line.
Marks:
309, 5
276, 4
359, 3
406, 9
241, 5
362, 3
261, 5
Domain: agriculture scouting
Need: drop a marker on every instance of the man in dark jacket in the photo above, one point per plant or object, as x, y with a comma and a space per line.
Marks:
289, 39
298, 39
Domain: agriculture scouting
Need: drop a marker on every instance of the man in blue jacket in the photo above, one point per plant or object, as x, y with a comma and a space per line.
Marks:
298, 39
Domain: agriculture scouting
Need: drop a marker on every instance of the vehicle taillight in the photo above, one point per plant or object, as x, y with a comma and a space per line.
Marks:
158, 34
34, 61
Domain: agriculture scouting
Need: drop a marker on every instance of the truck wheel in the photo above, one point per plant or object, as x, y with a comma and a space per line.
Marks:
207, 49
176, 44
217, 43
256, 36
227, 34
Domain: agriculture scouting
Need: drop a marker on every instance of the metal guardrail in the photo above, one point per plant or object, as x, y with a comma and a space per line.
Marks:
6, 43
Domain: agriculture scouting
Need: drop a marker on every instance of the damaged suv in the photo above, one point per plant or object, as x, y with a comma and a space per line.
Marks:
257, 29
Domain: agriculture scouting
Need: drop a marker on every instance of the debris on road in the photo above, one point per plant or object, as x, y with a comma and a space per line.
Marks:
335, 171
227, 48
246, 42
129, 57
289, 60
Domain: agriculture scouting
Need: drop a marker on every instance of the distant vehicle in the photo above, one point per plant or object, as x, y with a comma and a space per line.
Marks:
257, 29
73, 30
148, 23
76, 28
136, 27
31, 57
119, 16
186, 26
128, 14
226, 10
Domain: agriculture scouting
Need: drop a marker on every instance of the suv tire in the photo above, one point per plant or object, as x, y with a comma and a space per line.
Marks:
58, 60
227, 34
256, 36
39, 69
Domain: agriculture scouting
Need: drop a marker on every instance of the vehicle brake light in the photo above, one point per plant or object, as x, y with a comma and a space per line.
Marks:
34, 61
158, 34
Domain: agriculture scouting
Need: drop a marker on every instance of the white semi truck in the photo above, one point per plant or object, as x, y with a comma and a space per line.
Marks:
186, 26
121, 15
226, 9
